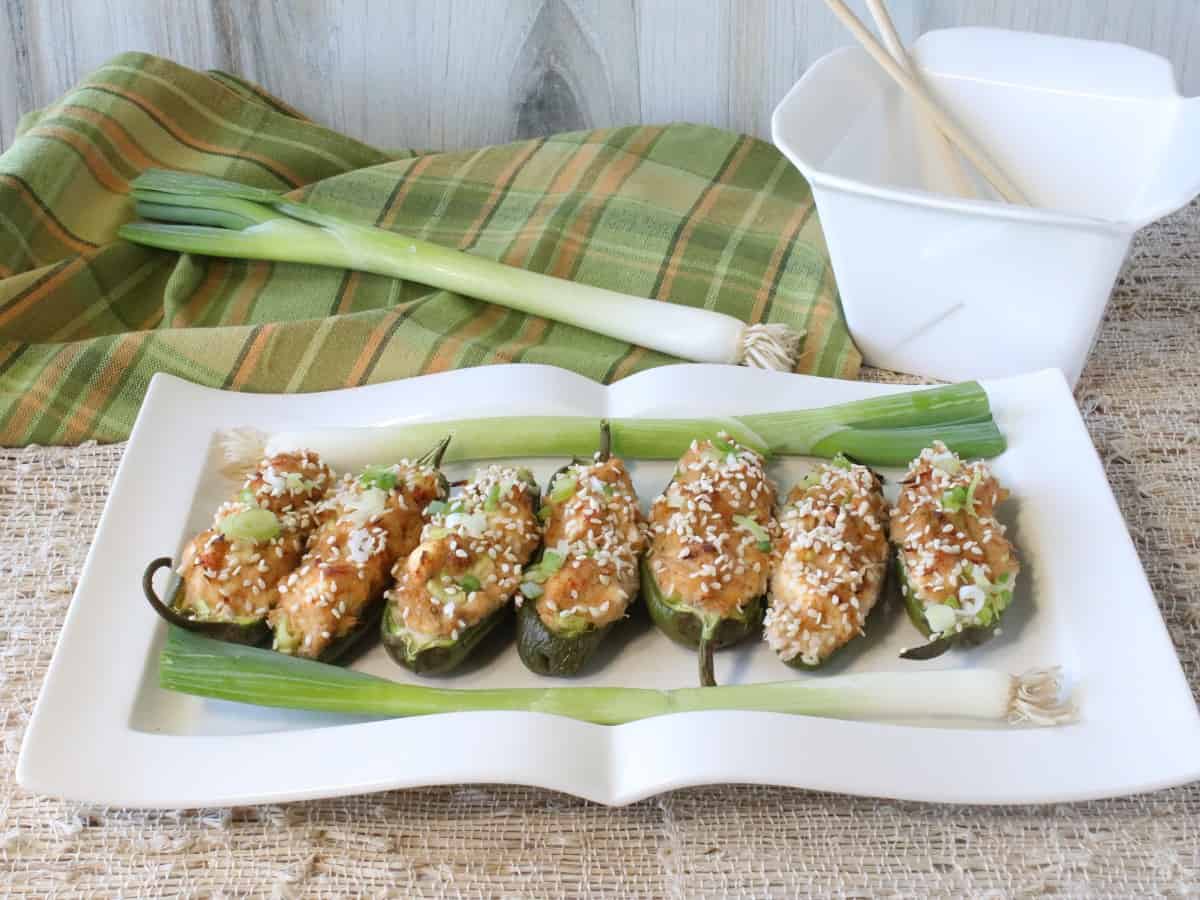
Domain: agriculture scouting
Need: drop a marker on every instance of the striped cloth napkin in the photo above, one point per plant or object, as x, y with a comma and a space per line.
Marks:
683, 213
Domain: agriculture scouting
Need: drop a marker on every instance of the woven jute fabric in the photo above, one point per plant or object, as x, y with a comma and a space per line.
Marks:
1141, 398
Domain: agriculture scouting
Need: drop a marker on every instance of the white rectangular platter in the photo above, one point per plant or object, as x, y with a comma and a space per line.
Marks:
104, 732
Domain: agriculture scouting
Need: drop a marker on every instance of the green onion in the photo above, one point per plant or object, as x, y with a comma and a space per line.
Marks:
881, 431
976, 480
469, 583
193, 664
564, 489
250, 525
492, 503
285, 641
551, 562
222, 218
723, 446
760, 534
247, 496
437, 506
962, 497
381, 477
954, 499
532, 589
297, 483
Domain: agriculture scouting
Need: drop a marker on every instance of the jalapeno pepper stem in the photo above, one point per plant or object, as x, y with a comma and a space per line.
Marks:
704, 651
605, 451
152, 595
227, 631
433, 457
930, 650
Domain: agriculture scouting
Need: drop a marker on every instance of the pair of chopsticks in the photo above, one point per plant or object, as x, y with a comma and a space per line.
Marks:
898, 65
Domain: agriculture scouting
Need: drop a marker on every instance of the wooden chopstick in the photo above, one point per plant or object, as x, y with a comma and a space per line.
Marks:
954, 132
887, 31
950, 162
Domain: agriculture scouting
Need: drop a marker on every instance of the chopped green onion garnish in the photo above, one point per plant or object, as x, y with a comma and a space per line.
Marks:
296, 483
723, 446
840, 460
531, 590
940, 617
250, 525
469, 583
247, 496
564, 489
436, 507
545, 513
960, 498
954, 499
550, 563
285, 641
760, 534
947, 461
976, 479
381, 477
493, 498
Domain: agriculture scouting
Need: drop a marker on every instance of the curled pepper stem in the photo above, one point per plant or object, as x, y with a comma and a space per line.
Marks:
605, 451
704, 650
152, 597
251, 633
433, 456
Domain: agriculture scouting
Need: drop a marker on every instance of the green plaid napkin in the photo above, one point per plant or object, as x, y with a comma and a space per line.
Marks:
683, 213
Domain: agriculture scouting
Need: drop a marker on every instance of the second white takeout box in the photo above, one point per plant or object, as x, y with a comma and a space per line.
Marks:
961, 287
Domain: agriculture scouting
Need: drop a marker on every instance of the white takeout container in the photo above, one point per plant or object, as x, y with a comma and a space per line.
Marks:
1096, 134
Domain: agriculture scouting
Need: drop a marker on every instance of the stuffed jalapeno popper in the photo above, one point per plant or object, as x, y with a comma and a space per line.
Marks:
588, 572
957, 569
230, 573
458, 583
832, 563
372, 520
706, 570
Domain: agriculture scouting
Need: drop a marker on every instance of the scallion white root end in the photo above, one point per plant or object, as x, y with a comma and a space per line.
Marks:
241, 448
1038, 699
771, 346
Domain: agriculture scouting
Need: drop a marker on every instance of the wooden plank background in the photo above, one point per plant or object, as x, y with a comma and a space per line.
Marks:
460, 73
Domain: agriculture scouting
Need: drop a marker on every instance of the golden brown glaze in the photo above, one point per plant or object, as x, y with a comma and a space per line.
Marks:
698, 552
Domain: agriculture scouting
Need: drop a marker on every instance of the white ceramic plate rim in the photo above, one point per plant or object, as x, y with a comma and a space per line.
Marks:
1140, 728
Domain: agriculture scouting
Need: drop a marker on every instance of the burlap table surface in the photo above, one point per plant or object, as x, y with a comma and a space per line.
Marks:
1141, 398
